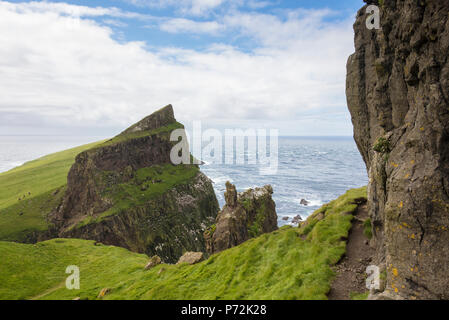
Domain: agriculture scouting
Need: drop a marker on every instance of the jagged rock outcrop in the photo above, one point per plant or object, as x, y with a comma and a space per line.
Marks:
127, 193
398, 94
154, 261
245, 215
191, 258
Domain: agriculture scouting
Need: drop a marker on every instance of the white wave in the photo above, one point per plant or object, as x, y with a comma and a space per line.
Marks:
315, 203
220, 179
244, 188
311, 202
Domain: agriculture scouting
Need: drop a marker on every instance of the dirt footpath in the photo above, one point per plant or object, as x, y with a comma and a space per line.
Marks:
351, 276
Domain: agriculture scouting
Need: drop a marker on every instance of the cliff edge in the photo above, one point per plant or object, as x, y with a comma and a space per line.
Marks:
126, 192
398, 94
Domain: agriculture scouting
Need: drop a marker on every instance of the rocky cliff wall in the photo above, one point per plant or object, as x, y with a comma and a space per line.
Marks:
398, 93
137, 147
166, 225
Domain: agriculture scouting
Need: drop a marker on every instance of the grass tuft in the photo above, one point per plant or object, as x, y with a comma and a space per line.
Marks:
367, 228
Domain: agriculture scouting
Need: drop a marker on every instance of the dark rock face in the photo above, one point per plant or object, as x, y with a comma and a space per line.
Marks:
121, 159
244, 216
166, 225
121, 193
398, 94
297, 219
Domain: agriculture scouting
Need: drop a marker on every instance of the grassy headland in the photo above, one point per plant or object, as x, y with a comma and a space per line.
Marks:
29, 192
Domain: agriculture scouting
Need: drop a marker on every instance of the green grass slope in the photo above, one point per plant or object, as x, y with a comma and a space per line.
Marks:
35, 183
290, 263
32, 271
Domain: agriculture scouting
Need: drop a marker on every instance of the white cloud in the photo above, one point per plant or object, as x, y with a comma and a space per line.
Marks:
68, 9
257, 4
72, 72
115, 23
191, 7
198, 7
180, 25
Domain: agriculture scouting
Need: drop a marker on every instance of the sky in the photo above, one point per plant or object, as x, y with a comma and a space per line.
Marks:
95, 67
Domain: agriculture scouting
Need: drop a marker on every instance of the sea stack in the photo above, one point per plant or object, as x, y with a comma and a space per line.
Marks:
245, 215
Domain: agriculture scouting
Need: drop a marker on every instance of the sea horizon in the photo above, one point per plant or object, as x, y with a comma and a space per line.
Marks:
314, 168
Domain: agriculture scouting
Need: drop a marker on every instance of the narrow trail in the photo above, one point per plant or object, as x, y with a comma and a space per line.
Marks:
48, 291
350, 270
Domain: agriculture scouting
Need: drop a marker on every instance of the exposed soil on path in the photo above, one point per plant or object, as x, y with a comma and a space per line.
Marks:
351, 276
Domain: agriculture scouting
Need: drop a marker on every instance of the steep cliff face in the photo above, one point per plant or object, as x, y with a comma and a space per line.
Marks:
398, 93
245, 215
144, 144
126, 192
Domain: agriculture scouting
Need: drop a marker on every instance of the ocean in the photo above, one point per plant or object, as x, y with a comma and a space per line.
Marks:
317, 169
